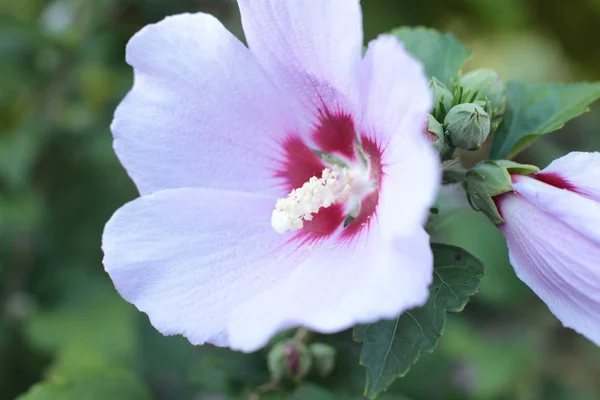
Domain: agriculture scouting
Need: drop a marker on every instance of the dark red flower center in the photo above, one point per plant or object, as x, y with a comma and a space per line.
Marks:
335, 135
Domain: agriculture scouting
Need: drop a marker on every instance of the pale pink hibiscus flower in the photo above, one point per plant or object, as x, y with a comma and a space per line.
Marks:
282, 185
553, 233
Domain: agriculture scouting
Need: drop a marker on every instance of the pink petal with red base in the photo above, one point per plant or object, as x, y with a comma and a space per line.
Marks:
573, 209
551, 228
311, 48
581, 170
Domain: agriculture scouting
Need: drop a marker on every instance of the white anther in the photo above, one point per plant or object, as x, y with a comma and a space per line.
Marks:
334, 186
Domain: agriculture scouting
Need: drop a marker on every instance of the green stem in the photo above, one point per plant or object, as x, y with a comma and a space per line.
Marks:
453, 176
303, 335
264, 388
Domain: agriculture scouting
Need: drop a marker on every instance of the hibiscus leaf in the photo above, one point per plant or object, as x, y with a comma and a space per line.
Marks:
442, 54
533, 110
391, 347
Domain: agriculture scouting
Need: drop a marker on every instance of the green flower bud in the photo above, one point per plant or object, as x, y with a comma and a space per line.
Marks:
442, 97
324, 358
467, 126
435, 131
289, 361
486, 84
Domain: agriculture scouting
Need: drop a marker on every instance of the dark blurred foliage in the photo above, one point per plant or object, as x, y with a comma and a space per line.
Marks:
62, 72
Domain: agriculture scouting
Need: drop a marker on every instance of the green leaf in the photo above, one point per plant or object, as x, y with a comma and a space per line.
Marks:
103, 383
441, 54
536, 109
391, 347
459, 225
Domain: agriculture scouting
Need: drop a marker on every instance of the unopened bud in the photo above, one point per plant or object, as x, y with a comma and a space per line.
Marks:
289, 360
467, 126
487, 86
442, 97
324, 358
435, 132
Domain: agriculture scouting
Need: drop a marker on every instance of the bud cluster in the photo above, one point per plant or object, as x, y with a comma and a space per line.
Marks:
464, 117
292, 360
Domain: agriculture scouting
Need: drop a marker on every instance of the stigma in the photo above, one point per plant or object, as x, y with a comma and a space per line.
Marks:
336, 185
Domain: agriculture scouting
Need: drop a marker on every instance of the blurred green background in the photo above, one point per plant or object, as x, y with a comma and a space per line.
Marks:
64, 328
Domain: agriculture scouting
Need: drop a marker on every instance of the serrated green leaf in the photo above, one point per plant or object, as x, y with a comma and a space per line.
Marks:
534, 110
103, 383
442, 54
391, 347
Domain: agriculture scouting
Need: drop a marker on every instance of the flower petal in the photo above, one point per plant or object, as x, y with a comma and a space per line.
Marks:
579, 212
205, 263
395, 96
188, 257
581, 170
558, 263
338, 287
410, 183
201, 112
310, 47
396, 99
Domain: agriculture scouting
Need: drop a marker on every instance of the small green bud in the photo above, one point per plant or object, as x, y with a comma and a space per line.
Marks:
435, 130
442, 97
467, 126
289, 360
324, 358
486, 85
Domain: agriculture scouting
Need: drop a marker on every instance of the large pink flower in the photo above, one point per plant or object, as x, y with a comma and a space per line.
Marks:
232, 240
553, 233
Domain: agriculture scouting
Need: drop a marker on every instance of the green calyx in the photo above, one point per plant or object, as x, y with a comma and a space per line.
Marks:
489, 179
